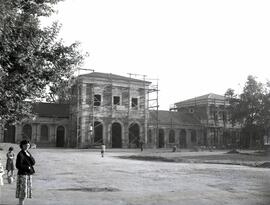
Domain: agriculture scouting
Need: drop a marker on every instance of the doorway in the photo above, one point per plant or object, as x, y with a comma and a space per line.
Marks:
60, 136
116, 135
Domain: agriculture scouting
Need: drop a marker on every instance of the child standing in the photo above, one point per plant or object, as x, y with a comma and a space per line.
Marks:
103, 147
10, 164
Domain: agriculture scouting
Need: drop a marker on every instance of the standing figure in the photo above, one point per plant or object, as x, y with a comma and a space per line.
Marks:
103, 147
141, 145
10, 164
24, 164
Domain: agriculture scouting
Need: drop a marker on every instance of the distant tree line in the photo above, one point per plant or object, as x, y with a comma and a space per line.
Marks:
251, 110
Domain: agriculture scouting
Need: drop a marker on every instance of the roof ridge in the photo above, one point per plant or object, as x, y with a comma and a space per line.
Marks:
206, 96
103, 75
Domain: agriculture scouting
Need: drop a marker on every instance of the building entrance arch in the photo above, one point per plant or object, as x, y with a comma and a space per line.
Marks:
116, 135
44, 133
27, 132
183, 138
60, 136
134, 135
161, 141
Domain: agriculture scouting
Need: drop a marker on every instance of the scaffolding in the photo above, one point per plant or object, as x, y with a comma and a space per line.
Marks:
125, 114
108, 93
153, 104
79, 106
147, 103
150, 102
141, 137
92, 105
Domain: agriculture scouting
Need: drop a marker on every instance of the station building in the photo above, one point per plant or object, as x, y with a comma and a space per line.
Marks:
115, 110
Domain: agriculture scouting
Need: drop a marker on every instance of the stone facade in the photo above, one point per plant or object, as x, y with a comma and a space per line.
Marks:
49, 128
114, 110
109, 109
182, 130
211, 111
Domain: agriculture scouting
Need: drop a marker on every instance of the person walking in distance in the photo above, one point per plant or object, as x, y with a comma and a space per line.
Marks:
10, 164
103, 147
141, 145
24, 163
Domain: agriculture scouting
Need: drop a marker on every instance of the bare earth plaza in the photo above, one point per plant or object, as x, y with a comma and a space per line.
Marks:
121, 102
196, 157
68, 176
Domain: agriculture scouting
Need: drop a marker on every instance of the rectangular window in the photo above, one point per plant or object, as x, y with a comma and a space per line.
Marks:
97, 100
116, 100
134, 102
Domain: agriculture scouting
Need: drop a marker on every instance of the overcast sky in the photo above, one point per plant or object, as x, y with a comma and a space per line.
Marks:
193, 47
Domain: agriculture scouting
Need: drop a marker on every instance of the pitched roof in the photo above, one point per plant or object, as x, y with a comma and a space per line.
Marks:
204, 99
51, 110
168, 117
112, 76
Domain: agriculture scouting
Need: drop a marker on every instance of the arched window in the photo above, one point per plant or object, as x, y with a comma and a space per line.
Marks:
60, 136
171, 136
27, 132
134, 135
183, 138
9, 133
161, 142
149, 135
193, 136
44, 131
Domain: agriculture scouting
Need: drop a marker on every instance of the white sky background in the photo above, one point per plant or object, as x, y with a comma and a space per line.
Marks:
194, 47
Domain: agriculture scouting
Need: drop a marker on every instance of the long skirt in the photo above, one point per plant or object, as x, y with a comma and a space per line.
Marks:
9, 165
24, 186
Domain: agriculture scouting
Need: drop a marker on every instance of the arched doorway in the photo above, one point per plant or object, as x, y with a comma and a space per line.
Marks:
44, 133
60, 136
27, 132
171, 136
116, 135
161, 138
98, 132
134, 135
9, 133
193, 137
149, 136
183, 139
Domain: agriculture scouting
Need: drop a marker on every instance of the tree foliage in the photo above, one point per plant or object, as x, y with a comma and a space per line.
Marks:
233, 105
60, 92
32, 59
251, 108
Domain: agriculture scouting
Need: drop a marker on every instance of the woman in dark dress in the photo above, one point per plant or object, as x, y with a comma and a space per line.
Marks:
24, 164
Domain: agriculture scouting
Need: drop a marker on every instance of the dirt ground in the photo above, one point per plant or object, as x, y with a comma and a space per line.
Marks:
70, 176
